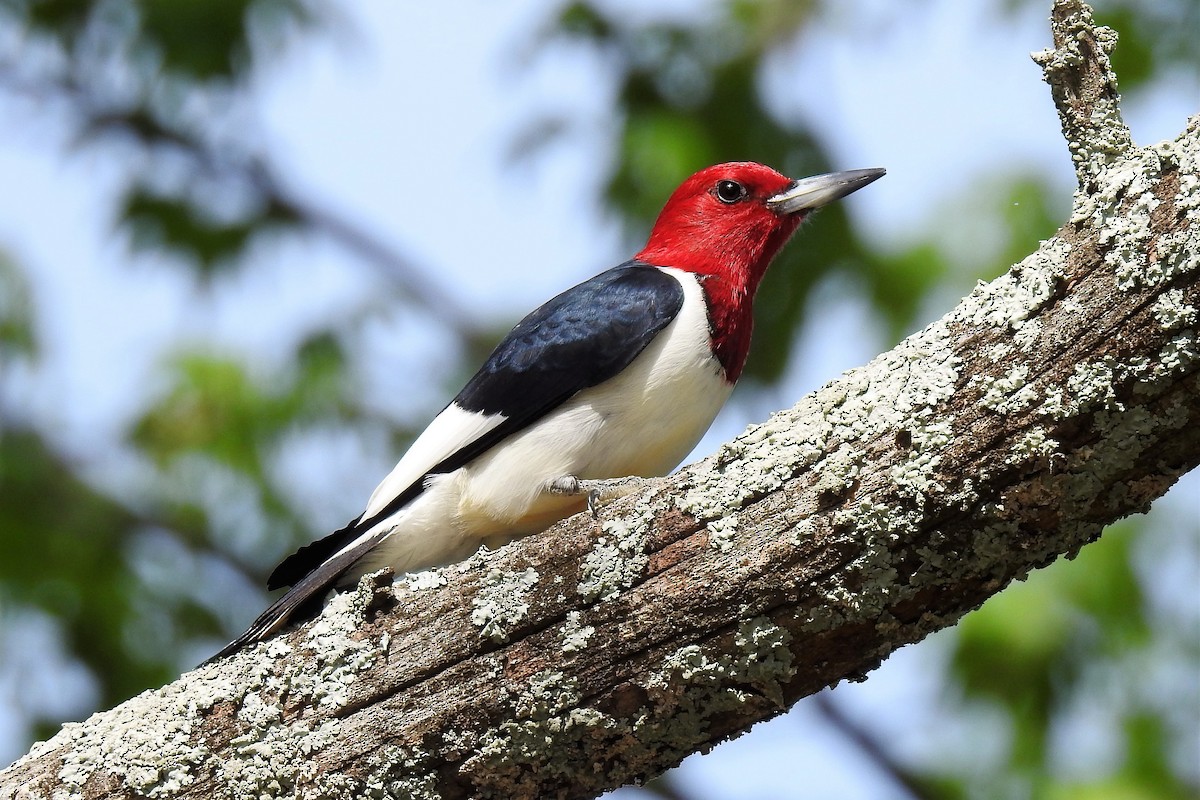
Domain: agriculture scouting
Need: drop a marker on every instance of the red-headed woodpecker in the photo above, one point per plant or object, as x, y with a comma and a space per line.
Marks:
618, 376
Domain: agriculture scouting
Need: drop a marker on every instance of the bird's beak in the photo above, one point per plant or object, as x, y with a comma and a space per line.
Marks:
807, 194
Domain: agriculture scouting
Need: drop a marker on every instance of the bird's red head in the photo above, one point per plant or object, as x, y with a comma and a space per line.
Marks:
726, 223
718, 223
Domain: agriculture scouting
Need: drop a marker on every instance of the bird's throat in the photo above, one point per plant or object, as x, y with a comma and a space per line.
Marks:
730, 322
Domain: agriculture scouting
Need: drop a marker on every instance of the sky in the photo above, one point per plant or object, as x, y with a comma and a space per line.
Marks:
404, 117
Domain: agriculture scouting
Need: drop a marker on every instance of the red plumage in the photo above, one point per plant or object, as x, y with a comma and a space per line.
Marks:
731, 244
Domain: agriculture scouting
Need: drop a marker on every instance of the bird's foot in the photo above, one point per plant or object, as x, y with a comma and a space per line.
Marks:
602, 491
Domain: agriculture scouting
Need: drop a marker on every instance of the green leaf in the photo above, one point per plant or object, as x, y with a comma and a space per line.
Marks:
17, 337
221, 409
175, 225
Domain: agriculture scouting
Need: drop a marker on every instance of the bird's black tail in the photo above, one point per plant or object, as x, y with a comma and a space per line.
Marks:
303, 601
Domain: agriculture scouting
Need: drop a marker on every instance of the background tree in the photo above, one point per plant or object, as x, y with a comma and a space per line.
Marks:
205, 486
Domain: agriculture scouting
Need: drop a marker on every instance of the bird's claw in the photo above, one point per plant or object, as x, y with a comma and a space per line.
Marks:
597, 492
593, 498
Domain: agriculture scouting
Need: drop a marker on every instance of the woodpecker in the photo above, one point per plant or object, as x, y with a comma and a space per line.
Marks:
618, 376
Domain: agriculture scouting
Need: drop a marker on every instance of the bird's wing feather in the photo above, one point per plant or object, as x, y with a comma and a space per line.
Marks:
577, 340
451, 430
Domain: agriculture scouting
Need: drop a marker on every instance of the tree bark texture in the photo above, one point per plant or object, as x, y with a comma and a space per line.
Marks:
1050, 402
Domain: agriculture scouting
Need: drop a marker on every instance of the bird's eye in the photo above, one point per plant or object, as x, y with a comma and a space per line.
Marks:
729, 192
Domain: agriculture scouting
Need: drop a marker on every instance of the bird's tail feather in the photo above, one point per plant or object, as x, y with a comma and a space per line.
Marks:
300, 563
303, 601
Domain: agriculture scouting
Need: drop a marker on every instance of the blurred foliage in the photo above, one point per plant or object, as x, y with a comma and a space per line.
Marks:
234, 420
1071, 645
217, 408
162, 76
162, 223
143, 578
63, 545
16, 308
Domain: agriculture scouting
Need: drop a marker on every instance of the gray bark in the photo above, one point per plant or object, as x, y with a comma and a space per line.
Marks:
1050, 402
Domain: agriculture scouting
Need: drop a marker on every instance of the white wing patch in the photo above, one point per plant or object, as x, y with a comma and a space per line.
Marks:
449, 432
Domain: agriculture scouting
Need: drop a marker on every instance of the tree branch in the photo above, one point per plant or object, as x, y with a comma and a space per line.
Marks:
1084, 88
886, 505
